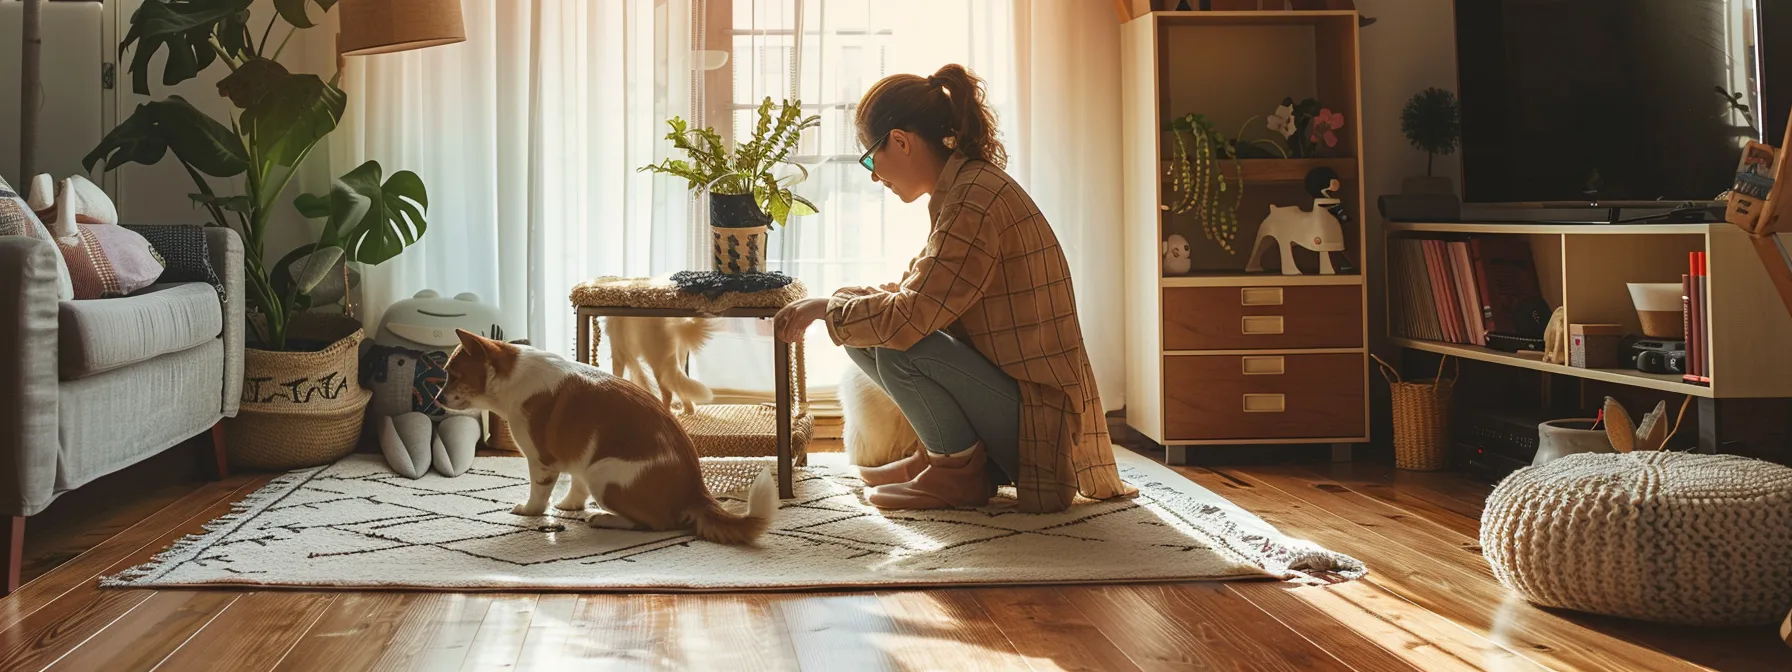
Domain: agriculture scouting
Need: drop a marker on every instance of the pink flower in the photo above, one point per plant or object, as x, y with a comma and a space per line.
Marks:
1323, 126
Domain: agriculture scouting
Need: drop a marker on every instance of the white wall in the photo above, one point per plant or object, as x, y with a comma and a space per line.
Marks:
1412, 45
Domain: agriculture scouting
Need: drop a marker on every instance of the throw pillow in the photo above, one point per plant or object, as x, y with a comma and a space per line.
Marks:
104, 259
17, 219
184, 251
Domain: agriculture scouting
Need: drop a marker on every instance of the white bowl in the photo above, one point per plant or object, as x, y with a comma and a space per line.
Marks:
1656, 296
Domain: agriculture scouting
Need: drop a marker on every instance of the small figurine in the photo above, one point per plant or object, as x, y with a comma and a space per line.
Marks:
1176, 256
1320, 230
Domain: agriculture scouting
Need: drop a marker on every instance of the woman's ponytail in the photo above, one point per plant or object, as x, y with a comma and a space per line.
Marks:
947, 108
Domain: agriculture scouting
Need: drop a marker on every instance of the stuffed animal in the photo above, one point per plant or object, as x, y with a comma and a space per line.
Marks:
404, 368
1176, 256
1555, 337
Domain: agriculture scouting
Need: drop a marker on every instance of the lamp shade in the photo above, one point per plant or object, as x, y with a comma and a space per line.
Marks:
386, 26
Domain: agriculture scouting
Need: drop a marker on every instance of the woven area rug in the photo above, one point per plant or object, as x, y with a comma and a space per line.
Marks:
356, 524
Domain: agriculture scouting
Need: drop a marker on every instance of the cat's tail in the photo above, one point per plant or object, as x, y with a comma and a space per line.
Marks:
716, 524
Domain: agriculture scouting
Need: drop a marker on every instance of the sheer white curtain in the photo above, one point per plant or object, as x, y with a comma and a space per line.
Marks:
530, 133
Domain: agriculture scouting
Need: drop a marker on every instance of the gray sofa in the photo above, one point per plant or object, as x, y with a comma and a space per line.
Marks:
90, 387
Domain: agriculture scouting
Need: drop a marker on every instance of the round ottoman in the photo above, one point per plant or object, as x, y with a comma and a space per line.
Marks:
1657, 536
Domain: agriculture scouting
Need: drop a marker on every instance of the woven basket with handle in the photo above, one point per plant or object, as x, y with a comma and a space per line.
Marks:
1421, 418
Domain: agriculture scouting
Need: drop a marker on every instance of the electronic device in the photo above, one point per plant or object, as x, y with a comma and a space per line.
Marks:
1617, 103
1652, 355
1494, 443
1511, 343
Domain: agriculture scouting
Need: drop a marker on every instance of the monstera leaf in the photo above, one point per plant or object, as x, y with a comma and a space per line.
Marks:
294, 10
370, 221
154, 128
285, 114
184, 29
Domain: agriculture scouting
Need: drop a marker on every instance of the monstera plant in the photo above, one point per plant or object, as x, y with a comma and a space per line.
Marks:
276, 118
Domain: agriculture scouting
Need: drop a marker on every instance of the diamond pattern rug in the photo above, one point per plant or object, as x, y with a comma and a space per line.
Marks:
356, 524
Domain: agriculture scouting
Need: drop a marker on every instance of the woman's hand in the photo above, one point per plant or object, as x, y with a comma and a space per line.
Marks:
794, 320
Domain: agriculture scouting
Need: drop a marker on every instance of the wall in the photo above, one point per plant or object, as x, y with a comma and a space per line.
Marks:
1411, 45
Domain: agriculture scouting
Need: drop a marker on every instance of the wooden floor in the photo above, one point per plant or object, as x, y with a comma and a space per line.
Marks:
1429, 603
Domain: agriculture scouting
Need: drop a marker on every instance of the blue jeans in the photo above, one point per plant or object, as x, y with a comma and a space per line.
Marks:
952, 395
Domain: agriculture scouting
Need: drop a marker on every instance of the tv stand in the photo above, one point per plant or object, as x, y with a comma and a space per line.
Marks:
1614, 212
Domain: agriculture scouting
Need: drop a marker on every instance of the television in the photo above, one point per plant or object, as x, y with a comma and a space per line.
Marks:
1604, 103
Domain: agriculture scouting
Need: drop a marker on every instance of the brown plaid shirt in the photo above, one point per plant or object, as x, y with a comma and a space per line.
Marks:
993, 274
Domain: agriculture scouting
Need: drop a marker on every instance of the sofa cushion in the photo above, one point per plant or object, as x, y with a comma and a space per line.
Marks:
105, 334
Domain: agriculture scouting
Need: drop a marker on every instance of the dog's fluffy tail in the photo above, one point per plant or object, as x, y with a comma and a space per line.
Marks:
716, 524
689, 335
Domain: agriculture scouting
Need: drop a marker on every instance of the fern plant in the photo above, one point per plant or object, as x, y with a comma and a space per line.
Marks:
749, 167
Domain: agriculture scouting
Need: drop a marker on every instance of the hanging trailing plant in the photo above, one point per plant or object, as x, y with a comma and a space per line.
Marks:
1195, 174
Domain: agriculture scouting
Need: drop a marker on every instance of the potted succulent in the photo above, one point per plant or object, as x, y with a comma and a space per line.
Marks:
302, 401
1432, 123
747, 197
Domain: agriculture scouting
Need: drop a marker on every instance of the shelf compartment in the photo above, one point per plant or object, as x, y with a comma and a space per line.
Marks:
1663, 382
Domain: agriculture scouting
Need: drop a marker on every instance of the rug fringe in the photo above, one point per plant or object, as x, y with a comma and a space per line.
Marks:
186, 545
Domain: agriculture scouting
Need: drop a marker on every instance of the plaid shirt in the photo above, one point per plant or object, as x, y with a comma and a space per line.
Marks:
993, 274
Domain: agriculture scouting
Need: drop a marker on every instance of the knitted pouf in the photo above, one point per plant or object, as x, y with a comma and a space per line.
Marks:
1657, 536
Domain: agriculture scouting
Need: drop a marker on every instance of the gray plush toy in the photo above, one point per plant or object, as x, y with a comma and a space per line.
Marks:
405, 368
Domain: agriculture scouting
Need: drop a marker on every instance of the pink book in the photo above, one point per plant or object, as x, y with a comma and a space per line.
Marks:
1465, 288
1444, 291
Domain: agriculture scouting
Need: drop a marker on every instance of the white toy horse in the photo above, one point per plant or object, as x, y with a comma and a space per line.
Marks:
1316, 230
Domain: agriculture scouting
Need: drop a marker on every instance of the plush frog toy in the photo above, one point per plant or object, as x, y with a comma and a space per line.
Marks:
405, 368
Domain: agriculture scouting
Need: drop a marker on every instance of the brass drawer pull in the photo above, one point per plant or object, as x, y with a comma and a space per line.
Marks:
1265, 403
1266, 365
1254, 325
1260, 296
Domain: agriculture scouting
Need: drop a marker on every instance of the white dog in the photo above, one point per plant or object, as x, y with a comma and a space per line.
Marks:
875, 431
661, 346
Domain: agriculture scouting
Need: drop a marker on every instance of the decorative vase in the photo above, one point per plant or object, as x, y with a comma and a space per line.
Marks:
1557, 439
301, 408
739, 233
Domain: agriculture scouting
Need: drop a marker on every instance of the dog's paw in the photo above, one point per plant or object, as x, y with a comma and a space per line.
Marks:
526, 510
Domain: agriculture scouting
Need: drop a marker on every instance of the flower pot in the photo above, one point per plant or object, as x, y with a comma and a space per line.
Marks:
739, 250
300, 408
1557, 439
736, 211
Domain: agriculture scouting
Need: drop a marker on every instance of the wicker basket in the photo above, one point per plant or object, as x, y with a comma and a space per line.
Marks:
301, 409
1421, 418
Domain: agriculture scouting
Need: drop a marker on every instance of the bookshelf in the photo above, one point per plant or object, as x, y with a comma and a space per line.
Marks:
1218, 356
1586, 268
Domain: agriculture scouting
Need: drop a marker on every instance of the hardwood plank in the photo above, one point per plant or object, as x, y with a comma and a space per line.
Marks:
839, 632
621, 632
48, 634
499, 641
253, 633
1043, 625
81, 520
946, 629
142, 638
434, 632
736, 632
351, 634
133, 546
1195, 627
1426, 578
1358, 638
1386, 519
550, 633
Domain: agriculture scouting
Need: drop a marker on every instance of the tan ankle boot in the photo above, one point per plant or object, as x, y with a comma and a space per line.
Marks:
949, 482
900, 471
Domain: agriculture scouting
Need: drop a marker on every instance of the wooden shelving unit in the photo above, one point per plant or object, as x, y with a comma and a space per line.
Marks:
1585, 267
1219, 356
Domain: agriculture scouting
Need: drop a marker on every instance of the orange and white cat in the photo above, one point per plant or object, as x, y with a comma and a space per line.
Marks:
616, 441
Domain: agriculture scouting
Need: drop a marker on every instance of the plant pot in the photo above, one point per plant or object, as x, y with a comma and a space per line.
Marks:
1557, 439
739, 250
304, 408
736, 211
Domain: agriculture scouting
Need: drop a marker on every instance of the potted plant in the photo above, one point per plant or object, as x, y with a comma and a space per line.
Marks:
1432, 123
302, 401
746, 197
1195, 173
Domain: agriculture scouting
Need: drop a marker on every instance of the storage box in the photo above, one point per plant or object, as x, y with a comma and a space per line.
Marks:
1594, 346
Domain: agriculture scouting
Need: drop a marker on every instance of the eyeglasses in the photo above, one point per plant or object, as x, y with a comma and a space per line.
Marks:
866, 159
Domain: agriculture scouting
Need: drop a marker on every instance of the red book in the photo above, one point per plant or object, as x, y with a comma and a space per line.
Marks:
1445, 291
1686, 316
1464, 274
1506, 281
1704, 323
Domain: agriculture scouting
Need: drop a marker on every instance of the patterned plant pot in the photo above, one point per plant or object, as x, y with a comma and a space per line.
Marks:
303, 408
740, 250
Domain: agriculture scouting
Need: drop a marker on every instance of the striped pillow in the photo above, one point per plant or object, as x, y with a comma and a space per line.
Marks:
17, 219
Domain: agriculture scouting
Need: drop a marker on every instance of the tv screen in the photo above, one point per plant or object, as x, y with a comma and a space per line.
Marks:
1616, 100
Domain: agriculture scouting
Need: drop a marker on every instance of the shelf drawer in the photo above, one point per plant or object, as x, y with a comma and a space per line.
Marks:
1261, 318
1209, 397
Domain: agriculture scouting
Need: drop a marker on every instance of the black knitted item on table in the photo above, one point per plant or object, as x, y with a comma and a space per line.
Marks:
714, 285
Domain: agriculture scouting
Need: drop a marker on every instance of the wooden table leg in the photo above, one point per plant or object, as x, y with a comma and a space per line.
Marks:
781, 371
583, 353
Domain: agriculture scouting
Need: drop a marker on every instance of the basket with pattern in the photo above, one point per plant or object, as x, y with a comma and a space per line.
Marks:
1421, 418
299, 408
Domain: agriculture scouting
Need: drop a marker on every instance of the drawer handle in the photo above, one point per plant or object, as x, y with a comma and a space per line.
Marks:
1267, 365
1254, 325
1265, 403
1260, 296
